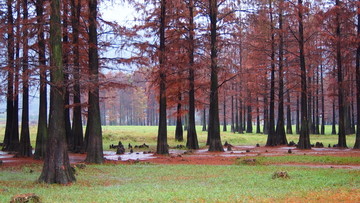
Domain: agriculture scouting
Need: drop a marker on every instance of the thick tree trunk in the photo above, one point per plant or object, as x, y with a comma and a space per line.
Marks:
77, 128
25, 146
214, 124
333, 132
240, 126
317, 118
304, 138
56, 167
192, 140
162, 146
204, 120
342, 134
42, 130
266, 104
69, 138
271, 139
10, 77
94, 148
280, 128
357, 139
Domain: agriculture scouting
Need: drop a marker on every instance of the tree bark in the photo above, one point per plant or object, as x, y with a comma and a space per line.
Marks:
357, 67
10, 77
280, 128
288, 112
224, 113
25, 146
179, 127
342, 134
162, 146
322, 101
56, 167
304, 138
192, 140
271, 139
214, 124
249, 128
42, 130
77, 127
94, 146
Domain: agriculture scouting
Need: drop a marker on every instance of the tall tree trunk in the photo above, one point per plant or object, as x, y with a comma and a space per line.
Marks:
342, 134
304, 138
214, 124
179, 127
357, 67
317, 119
240, 128
204, 120
237, 110
271, 139
280, 128
257, 116
288, 115
192, 140
25, 146
42, 130
298, 114
249, 128
322, 101
309, 102
69, 138
266, 104
56, 167
232, 113
162, 146
10, 77
77, 128
224, 112
94, 146
333, 132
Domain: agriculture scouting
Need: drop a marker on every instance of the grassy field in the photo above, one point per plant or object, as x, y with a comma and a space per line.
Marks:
182, 183
144, 182
137, 135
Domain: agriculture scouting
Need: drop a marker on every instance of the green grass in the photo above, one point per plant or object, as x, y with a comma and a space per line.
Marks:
169, 183
305, 159
137, 135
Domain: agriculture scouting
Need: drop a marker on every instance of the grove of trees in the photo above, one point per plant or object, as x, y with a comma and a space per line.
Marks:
273, 64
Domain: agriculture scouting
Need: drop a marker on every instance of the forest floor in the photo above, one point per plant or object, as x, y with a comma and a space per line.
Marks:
203, 157
273, 157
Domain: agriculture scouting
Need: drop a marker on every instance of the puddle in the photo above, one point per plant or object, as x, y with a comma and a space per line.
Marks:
127, 156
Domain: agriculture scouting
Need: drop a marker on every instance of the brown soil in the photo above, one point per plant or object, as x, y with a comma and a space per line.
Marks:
200, 157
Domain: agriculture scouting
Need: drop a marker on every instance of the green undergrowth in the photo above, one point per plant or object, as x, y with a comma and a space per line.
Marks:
173, 183
299, 159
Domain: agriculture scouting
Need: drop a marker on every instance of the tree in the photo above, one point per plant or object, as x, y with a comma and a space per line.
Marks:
304, 138
42, 130
271, 140
25, 146
342, 133
10, 140
214, 123
192, 141
280, 128
77, 128
56, 167
357, 67
94, 147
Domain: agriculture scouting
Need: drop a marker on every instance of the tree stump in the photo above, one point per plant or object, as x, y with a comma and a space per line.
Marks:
29, 197
280, 174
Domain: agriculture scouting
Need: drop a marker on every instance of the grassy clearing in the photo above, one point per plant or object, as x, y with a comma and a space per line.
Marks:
169, 183
137, 135
305, 159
